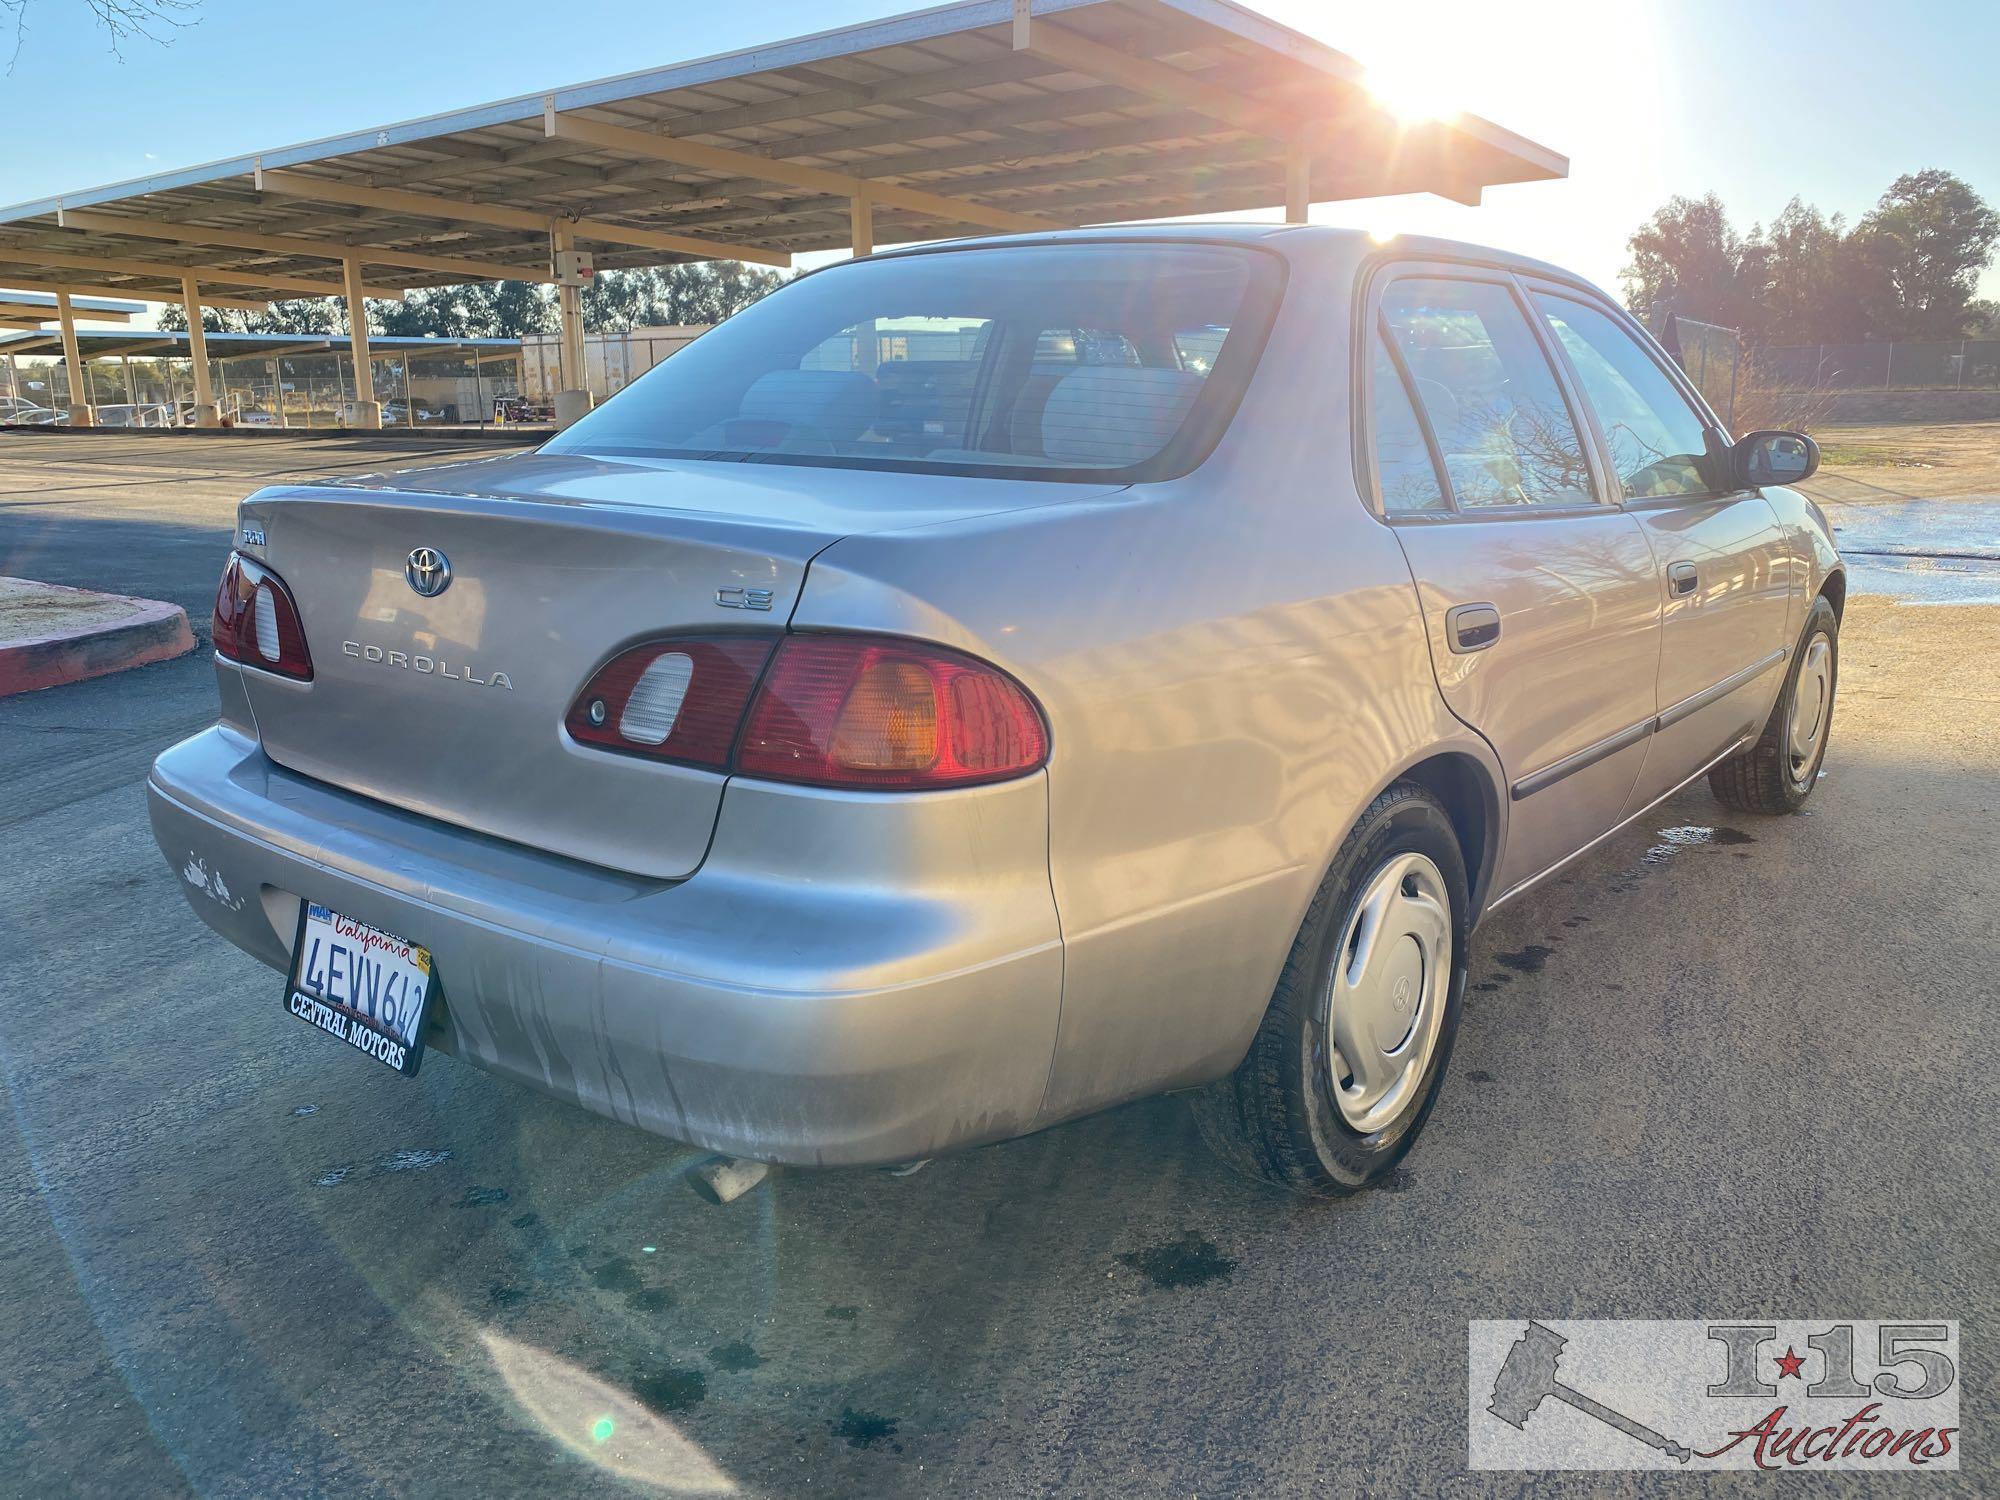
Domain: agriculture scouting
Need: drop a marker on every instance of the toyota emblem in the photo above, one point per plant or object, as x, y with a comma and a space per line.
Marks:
429, 571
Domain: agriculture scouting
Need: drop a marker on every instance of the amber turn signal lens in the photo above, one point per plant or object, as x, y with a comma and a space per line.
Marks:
889, 721
870, 712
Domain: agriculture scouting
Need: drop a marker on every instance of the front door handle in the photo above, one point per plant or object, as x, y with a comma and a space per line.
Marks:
1471, 627
1682, 578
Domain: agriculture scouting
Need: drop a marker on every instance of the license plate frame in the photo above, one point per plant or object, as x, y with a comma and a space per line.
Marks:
386, 1042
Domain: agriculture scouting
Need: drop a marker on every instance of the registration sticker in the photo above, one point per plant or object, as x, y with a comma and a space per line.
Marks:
361, 985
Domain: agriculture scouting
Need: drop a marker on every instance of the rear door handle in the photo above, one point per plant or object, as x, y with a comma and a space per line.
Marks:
1471, 627
1682, 578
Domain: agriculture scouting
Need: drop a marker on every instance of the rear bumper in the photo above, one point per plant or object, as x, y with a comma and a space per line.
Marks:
846, 980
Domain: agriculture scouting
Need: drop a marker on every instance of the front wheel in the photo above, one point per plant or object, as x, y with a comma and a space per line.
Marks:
1778, 773
1349, 1058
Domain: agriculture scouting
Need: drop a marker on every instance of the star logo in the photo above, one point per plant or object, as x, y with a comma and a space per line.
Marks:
1789, 1363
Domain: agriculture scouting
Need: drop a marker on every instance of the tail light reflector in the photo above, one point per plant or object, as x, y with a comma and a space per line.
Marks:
671, 700
872, 712
851, 711
256, 621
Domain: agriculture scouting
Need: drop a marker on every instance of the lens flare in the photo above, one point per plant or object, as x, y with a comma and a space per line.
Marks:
584, 1412
1413, 95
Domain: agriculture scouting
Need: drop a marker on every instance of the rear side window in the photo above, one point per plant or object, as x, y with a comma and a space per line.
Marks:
1075, 361
1659, 443
1502, 426
1403, 468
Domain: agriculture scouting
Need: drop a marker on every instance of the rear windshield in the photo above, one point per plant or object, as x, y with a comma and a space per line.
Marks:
1052, 361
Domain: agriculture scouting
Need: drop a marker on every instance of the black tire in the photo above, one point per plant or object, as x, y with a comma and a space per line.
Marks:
1275, 1117
1763, 778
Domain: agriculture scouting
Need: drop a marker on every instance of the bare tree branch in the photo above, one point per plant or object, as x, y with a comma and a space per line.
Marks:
122, 21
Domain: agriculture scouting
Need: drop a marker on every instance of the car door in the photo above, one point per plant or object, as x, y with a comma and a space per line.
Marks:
1729, 586
1540, 598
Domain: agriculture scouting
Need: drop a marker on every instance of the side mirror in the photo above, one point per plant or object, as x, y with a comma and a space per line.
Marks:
1764, 458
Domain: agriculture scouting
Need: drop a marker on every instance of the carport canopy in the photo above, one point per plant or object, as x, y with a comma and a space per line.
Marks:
33, 309
984, 115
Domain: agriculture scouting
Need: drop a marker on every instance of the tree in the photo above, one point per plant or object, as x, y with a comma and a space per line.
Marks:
1815, 283
1686, 260
122, 21
519, 308
324, 315
619, 300
1932, 235
476, 310
1983, 320
693, 292
1909, 270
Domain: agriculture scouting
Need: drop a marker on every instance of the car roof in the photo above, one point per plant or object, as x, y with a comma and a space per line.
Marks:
1289, 239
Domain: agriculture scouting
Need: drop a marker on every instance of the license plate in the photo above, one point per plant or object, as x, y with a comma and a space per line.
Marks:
369, 988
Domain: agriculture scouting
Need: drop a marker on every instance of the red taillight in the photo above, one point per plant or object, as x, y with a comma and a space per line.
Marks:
862, 711
672, 700
257, 623
858, 712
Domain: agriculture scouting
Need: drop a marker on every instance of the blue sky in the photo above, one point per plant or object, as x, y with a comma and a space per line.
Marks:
1757, 100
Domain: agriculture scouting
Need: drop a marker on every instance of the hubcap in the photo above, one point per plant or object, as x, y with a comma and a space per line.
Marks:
1385, 1003
1812, 700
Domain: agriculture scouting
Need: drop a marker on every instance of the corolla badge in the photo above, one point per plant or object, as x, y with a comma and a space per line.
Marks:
429, 571
416, 661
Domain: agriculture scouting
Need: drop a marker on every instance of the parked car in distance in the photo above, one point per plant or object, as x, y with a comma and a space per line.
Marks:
395, 413
980, 684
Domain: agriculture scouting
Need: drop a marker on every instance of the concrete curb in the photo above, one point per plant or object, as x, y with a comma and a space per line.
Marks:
152, 631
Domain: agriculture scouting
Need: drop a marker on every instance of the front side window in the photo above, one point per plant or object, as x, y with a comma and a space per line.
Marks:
1503, 428
1062, 361
1659, 443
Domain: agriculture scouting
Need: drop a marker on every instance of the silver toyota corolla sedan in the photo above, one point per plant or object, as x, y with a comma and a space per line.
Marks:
980, 684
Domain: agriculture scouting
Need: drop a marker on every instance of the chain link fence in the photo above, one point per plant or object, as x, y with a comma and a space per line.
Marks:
447, 389
1796, 385
611, 361
1897, 365
1712, 357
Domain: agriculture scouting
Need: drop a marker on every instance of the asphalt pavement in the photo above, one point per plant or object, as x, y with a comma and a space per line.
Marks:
1724, 1067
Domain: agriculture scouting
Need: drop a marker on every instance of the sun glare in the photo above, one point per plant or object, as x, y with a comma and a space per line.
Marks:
1413, 96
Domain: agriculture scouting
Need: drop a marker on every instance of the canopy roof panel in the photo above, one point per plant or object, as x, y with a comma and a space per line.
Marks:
994, 114
84, 306
33, 309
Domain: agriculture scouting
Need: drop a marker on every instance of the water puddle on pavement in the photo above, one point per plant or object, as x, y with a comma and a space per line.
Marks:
1673, 840
1922, 551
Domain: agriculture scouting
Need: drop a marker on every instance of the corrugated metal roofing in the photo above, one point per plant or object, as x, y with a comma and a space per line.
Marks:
82, 305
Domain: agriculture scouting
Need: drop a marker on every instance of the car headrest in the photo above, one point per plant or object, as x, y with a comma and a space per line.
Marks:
840, 403
1114, 415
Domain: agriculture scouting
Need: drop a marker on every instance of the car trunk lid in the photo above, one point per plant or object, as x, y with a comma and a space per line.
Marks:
452, 705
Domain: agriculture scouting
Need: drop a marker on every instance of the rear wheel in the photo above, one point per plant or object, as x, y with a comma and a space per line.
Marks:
1348, 1061
1778, 773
